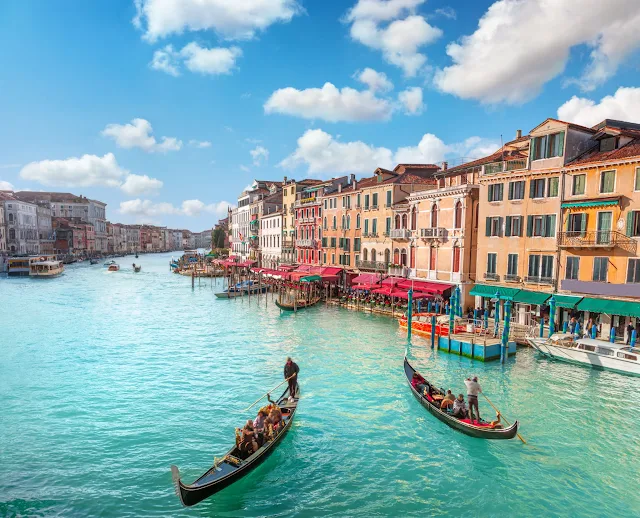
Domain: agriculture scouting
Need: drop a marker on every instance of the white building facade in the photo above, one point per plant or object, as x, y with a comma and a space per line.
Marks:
271, 239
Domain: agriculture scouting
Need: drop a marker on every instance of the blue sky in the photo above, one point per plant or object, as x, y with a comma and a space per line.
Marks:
72, 68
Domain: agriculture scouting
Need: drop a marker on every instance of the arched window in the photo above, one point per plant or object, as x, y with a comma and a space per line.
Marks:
434, 216
404, 221
348, 222
397, 220
344, 222
396, 256
364, 254
358, 220
387, 256
10, 218
403, 257
414, 215
12, 231
373, 255
458, 215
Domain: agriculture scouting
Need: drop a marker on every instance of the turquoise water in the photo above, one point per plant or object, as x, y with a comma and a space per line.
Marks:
106, 379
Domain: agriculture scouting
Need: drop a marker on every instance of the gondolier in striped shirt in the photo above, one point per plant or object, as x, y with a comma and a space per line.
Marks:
473, 388
291, 370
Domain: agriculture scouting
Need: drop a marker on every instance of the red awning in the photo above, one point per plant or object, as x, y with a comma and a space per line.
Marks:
367, 278
286, 267
392, 281
429, 287
303, 268
245, 264
403, 294
385, 290
331, 270
363, 287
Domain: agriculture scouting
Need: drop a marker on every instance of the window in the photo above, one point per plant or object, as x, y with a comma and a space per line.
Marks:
495, 192
373, 254
579, 183
512, 265
457, 220
325, 223
388, 198
358, 201
516, 190
573, 265
546, 267
493, 226
577, 223
364, 254
374, 226
333, 242
633, 271
348, 221
357, 220
536, 188
492, 260
513, 226
548, 146
366, 227
633, 223
344, 222
366, 201
552, 187
388, 225
356, 244
541, 226
374, 201
387, 256
432, 257
335, 223
607, 181
434, 216
414, 217
456, 259
325, 204
600, 266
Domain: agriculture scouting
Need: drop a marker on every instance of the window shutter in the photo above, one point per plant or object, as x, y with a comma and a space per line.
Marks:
532, 184
560, 143
507, 228
500, 220
533, 148
551, 226
529, 226
584, 225
488, 227
543, 230
501, 192
630, 223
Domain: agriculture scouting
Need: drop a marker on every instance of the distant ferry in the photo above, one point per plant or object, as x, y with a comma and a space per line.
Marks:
21, 266
46, 268
597, 354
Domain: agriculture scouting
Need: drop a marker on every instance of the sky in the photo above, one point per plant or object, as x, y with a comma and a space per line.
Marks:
167, 109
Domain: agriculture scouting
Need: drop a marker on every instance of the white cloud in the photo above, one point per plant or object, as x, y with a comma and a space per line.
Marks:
329, 103
321, 153
135, 185
403, 36
166, 60
213, 61
253, 140
376, 81
86, 171
9, 166
447, 12
146, 210
411, 100
5, 186
245, 169
474, 148
260, 155
519, 46
138, 134
623, 105
200, 144
231, 19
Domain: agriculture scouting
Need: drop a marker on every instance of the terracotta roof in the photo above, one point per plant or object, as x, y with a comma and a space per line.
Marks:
416, 166
632, 149
409, 178
570, 124
56, 197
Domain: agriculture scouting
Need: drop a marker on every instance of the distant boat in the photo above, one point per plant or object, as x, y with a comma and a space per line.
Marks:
137, 268
113, 267
109, 263
301, 303
93, 261
241, 289
46, 269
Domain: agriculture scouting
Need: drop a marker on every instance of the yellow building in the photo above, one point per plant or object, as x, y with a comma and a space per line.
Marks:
289, 189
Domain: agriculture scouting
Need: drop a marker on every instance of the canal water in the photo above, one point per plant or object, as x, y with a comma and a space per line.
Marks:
106, 379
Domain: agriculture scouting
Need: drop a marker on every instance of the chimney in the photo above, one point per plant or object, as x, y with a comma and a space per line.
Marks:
355, 184
340, 187
352, 178
518, 134
445, 166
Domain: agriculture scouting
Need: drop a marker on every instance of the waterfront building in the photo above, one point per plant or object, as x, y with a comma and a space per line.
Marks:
145, 238
380, 201
188, 240
46, 236
271, 238
289, 189
133, 238
3, 232
203, 239
264, 199
21, 220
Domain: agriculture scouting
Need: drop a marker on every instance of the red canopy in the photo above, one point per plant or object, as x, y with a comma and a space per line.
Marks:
385, 290
331, 270
392, 281
363, 287
367, 278
430, 287
402, 294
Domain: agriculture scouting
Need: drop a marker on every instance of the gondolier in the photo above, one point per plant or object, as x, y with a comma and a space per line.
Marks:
291, 370
473, 388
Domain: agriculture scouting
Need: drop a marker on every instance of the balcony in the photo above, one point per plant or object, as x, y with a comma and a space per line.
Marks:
506, 165
398, 271
491, 276
511, 278
598, 239
400, 233
287, 243
371, 265
304, 202
433, 233
537, 279
374, 207
305, 243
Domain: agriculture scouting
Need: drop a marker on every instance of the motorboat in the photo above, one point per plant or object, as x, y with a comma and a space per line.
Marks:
109, 263
45, 269
113, 267
598, 354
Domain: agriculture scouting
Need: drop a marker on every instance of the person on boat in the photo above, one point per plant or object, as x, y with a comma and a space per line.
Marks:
418, 382
473, 388
459, 407
291, 371
447, 401
629, 333
497, 423
258, 422
275, 416
248, 443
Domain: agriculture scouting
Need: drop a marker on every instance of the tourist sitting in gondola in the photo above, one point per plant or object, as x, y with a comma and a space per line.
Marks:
247, 443
258, 422
459, 407
447, 401
418, 382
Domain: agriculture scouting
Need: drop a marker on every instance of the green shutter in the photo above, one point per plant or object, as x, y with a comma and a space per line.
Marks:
488, 227
583, 225
532, 188
529, 226
366, 226
507, 229
511, 190
500, 220
389, 198
520, 225
543, 231
533, 148
388, 227
630, 223
500, 191
551, 226
560, 143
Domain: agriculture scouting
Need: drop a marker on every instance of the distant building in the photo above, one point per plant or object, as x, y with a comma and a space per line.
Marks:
3, 232
21, 220
45, 229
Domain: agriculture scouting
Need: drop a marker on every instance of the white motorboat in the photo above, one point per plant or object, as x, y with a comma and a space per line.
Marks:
45, 268
113, 267
597, 354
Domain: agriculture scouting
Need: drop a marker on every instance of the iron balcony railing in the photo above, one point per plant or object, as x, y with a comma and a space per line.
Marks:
491, 276
597, 239
398, 271
506, 165
511, 278
400, 233
433, 233
371, 265
537, 279
305, 243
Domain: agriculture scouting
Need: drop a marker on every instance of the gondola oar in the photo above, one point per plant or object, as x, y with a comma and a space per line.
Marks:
505, 419
269, 392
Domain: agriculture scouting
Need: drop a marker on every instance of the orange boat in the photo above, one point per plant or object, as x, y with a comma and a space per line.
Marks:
421, 324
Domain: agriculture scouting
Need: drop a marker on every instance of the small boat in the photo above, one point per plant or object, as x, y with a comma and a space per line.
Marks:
46, 269
136, 268
301, 303
233, 467
93, 261
589, 352
109, 263
480, 430
243, 288
19, 266
421, 324
113, 267
136, 255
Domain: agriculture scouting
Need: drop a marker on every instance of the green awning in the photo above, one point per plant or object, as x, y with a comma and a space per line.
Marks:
531, 297
610, 307
489, 290
566, 301
589, 204
311, 278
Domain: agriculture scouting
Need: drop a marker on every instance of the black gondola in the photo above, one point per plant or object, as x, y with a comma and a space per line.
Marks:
300, 304
232, 467
481, 432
